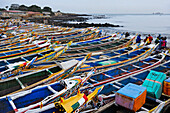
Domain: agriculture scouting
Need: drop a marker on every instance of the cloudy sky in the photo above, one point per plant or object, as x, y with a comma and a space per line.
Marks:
97, 6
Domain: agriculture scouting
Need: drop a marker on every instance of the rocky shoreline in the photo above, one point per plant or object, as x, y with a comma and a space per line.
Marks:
83, 25
64, 21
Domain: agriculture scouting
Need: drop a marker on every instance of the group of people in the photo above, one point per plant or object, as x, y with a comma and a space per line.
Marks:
162, 42
148, 40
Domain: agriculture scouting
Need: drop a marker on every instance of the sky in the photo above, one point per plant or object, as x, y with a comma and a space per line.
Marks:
97, 6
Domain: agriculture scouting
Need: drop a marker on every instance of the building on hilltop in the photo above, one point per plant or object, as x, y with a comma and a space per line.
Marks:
14, 6
34, 14
58, 13
46, 14
20, 14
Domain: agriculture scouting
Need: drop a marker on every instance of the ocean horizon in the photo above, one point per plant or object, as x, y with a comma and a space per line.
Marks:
143, 23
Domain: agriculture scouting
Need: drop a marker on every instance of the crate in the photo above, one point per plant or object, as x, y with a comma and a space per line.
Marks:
154, 83
131, 96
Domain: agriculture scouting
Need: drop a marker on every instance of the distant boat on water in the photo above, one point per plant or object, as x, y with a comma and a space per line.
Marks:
157, 13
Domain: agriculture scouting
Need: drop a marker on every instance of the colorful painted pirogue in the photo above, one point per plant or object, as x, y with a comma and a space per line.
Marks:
116, 69
42, 56
20, 34
33, 79
136, 72
15, 53
113, 79
97, 46
39, 58
36, 40
29, 38
70, 105
112, 61
42, 95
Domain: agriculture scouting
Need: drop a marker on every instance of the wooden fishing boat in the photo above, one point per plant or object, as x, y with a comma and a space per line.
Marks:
27, 26
17, 41
131, 73
96, 46
15, 83
112, 74
34, 43
25, 32
84, 43
34, 32
28, 32
81, 35
33, 79
41, 95
45, 56
96, 56
51, 30
15, 53
151, 104
28, 57
116, 60
113, 79
61, 35
8, 29
70, 105
13, 69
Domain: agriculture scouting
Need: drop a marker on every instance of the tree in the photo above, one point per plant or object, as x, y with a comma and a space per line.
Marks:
34, 8
2, 9
14, 7
23, 8
46, 9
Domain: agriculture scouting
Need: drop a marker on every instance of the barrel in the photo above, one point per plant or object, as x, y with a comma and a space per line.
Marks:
166, 86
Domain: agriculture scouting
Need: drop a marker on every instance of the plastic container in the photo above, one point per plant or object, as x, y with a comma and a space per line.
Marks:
131, 96
166, 89
154, 83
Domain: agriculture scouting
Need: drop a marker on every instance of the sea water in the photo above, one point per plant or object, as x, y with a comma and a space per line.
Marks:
137, 23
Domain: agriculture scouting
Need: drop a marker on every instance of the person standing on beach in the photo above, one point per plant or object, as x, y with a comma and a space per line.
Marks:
160, 43
149, 39
163, 43
159, 36
145, 39
127, 34
157, 40
138, 39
